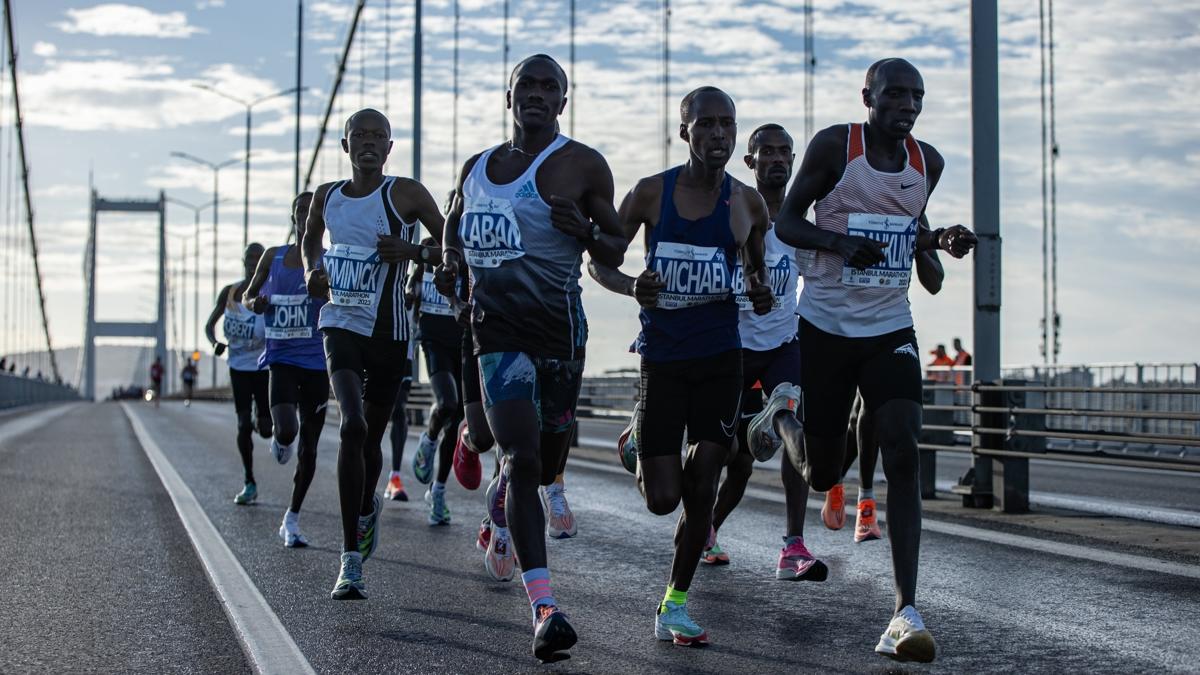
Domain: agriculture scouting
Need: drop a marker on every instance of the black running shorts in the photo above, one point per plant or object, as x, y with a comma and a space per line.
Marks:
250, 391
379, 361
303, 387
701, 396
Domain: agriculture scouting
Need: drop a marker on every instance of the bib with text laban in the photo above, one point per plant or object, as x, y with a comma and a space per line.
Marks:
900, 235
489, 232
354, 274
779, 269
290, 317
433, 302
693, 275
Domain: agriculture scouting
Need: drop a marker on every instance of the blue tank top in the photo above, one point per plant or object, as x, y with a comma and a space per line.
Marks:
696, 315
291, 318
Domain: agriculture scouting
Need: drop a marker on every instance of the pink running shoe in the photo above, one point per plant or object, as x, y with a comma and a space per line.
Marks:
797, 564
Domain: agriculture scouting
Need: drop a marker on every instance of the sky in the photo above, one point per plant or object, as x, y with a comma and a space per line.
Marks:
110, 88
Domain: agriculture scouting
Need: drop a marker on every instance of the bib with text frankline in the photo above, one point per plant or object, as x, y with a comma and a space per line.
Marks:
354, 273
489, 232
290, 317
900, 235
694, 275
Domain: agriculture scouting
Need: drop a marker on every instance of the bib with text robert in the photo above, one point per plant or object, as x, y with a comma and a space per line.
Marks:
693, 275
900, 235
489, 232
239, 331
290, 317
354, 273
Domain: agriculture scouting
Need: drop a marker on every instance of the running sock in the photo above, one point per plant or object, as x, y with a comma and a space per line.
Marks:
864, 494
394, 474
537, 587
438, 487
672, 595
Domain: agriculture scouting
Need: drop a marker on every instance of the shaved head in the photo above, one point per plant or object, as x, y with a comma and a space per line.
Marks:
366, 111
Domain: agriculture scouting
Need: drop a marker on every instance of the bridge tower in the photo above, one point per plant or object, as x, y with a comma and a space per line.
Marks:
93, 329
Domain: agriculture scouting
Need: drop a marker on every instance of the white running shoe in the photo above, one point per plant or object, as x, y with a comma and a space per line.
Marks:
760, 434
499, 559
560, 522
289, 531
906, 638
282, 453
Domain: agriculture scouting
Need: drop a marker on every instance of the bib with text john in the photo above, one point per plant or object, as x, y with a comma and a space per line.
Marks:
694, 275
900, 235
489, 232
290, 317
354, 274
779, 270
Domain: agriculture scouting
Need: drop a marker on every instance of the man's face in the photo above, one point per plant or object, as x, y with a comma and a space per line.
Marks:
368, 141
895, 100
537, 96
251, 260
712, 131
772, 158
300, 214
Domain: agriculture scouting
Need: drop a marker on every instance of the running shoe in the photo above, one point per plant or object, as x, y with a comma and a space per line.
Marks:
422, 461
289, 532
495, 496
673, 623
627, 442
395, 489
439, 513
552, 633
797, 564
485, 534
760, 435
350, 584
713, 555
833, 513
866, 527
499, 559
467, 468
248, 495
906, 638
282, 453
560, 522
368, 529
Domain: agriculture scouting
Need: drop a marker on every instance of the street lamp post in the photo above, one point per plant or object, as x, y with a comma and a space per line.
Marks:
216, 169
249, 106
196, 209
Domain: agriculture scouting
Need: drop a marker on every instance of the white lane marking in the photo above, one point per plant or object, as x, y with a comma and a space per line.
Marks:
266, 642
24, 423
1131, 561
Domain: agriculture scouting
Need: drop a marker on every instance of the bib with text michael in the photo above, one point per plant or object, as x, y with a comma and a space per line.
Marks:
433, 302
489, 232
693, 275
290, 317
354, 274
779, 270
900, 235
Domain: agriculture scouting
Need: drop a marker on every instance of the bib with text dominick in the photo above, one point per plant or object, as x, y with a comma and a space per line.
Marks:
354, 274
694, 275
900, 235
290, 317
489, 232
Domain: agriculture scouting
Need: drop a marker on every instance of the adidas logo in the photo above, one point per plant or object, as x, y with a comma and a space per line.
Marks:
907, 348
527, 191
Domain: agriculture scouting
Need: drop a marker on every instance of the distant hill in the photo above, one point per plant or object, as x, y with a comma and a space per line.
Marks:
116, 366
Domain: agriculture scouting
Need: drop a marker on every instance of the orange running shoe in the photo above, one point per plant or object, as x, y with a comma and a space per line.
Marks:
395, 490
866, 527
834, 510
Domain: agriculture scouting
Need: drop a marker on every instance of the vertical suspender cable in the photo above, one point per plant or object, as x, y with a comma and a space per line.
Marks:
1055, 345
387, 56
299, 92
5, 243
333, 93
417, 59
454, 104
810, 67
666, 82
1045, 344
362, 71
574, 85
504, 49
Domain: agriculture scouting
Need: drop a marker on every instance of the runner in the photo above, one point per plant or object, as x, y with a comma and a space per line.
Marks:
698, 221
244, 333
370, 218
296, 360
188, 377
398, 435
870, 184
770, 356
156, 376
525, 212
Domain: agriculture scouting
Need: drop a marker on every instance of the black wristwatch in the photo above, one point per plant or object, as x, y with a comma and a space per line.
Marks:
595, 232
423, 253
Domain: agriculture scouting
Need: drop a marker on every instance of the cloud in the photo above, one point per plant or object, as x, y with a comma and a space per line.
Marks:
45, 50
115, 19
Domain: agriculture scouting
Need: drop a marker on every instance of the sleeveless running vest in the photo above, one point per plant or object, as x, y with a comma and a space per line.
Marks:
777, 327
290, 322
365, 293
696, 313
243, 334
524, 271
884, 206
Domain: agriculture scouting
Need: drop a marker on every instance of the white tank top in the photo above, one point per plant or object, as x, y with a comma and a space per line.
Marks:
884, 206
245, 333
366, 295
777, 327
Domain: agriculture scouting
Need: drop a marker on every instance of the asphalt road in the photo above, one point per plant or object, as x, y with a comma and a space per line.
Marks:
103, 577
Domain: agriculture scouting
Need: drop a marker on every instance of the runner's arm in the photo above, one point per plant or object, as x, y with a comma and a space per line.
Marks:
593, 213
251, 299
753, 252
425, 209
218, 310
630, 218
447, 273
315, 278
929, 267
956, 240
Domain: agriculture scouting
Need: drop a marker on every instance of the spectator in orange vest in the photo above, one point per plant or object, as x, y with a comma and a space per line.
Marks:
940, 358
961, 356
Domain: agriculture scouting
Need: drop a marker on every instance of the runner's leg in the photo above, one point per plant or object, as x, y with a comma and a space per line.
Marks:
314, 401
399, 434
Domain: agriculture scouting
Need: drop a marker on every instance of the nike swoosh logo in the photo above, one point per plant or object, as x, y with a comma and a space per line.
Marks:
905, 187
730, 428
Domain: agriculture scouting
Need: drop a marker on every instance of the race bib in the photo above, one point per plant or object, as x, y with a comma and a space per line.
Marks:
489, 232
433, 302
900, 235
290, 317
239, 332
354, 275
779, 269
694, 275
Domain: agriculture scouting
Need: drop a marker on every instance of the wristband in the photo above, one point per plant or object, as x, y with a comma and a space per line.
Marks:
937, 238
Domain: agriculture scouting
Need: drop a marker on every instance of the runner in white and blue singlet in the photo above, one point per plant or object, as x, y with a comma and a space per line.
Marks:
244, 338
296, 359
698, 221
370, 219
524, 214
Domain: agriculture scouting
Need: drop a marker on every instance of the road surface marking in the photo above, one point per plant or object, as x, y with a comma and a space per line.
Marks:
1137, 562
268, 646
24, 423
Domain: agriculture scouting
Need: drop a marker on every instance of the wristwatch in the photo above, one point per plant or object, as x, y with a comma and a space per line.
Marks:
595, 232
424, 253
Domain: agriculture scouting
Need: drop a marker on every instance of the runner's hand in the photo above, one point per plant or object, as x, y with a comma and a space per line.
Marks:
219, 348
860, 252
445, 275
957, 240
260, 304
565, 216
462, 313
393, 249
317, 283
761, 296
646, 288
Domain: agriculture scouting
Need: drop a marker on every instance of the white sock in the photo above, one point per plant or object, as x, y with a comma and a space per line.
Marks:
438, 486
864, 494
